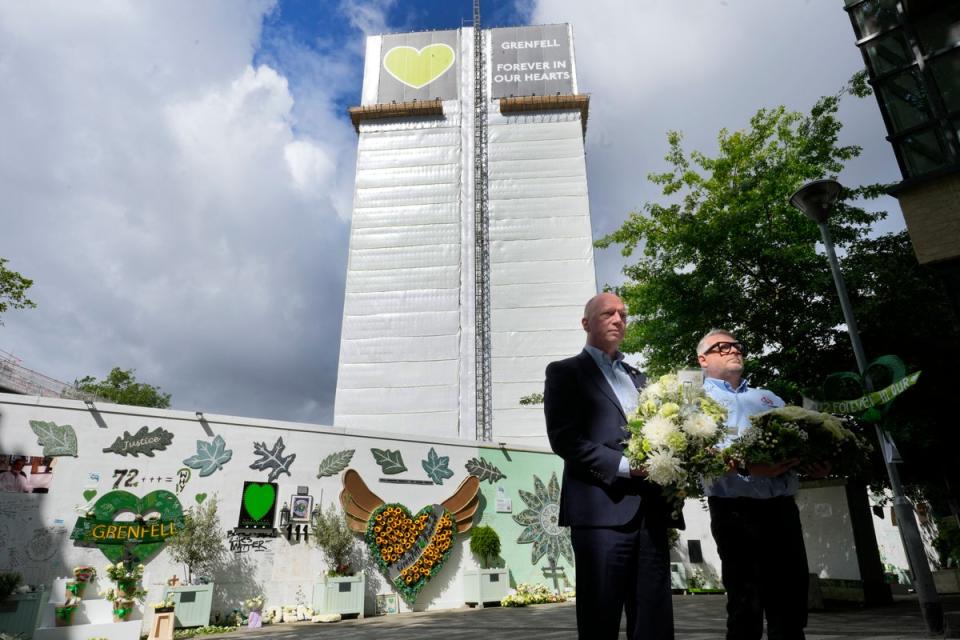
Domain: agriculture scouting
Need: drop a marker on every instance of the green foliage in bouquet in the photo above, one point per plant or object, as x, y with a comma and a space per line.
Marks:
791, 432
673, 437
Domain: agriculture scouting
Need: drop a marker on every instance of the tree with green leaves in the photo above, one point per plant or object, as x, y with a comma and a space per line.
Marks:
13, 289
121, 386
199, 544
724, 248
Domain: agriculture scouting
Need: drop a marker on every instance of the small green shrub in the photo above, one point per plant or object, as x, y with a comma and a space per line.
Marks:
9, 581
485, 544
947, 542
335, 539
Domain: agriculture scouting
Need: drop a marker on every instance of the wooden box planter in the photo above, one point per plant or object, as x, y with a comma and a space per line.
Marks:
947, 580
192, 604
20, 613
339, 595
485, 586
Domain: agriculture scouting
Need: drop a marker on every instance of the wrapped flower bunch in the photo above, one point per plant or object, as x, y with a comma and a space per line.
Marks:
791, 432
673, 437
253, 604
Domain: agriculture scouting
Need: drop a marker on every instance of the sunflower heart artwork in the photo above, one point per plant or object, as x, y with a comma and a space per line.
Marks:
540, 522
409, 548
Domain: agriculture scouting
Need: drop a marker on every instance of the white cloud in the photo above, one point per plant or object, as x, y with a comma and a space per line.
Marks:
179, 210
696, 67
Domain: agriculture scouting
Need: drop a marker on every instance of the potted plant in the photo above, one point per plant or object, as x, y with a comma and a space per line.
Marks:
254, 608
341, 589
488, 583
63, 614
947, 544
164, 606
198, 545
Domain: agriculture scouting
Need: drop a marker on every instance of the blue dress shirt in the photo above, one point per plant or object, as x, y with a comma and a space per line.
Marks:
622, 385
741, 403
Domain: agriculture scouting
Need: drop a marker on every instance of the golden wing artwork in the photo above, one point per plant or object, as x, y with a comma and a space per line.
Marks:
359, 502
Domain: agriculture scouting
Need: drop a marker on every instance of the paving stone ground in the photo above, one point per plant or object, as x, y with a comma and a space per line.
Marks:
696, 618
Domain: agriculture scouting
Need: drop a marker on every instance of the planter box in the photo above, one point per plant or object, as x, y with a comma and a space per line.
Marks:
339, 595
20, 613
947, 580
485, 585
191, 604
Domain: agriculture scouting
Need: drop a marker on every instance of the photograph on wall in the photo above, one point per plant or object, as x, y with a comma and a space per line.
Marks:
300, 507
26, 474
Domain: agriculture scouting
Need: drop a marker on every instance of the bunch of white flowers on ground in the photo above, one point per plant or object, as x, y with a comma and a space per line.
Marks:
673, 437
254, 604
531, 594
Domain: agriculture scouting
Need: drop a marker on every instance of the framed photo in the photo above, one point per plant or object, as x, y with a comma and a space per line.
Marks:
387, 604
300, 507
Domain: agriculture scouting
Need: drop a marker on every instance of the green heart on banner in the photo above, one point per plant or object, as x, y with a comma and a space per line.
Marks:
140, 539
418, 68
846, 391
258, 498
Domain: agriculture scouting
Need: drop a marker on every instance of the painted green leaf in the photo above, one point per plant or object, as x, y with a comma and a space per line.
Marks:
56, 440
484, 470
391, 462
335, 463
143, 441
437, 467
272, 459
211, 456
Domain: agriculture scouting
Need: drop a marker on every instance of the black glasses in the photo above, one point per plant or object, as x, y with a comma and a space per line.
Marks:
724, 348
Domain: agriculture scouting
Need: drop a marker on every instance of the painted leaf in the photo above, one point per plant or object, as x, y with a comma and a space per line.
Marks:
210, 457
143, 441
484, 470
437, 467
391, 462
56, 440
272, 459
335, 463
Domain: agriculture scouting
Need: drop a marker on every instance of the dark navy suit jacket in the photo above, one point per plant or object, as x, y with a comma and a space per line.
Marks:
585, 426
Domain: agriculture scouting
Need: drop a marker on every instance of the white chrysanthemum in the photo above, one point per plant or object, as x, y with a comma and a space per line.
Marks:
670, 384
657, 430
663, 469
652, 392
700, 425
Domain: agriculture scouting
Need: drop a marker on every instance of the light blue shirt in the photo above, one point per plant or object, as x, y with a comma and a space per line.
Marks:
741, 403
622, 385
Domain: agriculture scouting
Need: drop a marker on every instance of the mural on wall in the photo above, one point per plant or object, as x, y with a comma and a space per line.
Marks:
272, 459
56, 439
409, 548
210, 456
109, 527
391, 462
26, 474
200, 497
437, 467
335, 463
183, 477
258, 504
540, 522
143, 441
484, 470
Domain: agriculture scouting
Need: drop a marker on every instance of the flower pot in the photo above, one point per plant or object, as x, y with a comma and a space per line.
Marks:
74, 589
84, 574
162, 609
122, 610
485, 585
127, 587
339, 595
64, 616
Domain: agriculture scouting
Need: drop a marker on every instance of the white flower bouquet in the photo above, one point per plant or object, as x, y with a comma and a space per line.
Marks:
673, 437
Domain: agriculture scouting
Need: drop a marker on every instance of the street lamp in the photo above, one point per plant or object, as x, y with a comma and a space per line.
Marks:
815, 199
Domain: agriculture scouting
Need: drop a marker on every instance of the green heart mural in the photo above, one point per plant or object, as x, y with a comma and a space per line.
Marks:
142, 538
410, 550
418, 68
258, 499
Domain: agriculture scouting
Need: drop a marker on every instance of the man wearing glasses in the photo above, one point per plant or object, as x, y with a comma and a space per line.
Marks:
753, 515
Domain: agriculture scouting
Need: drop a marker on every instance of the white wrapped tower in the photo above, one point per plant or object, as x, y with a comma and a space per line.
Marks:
471, 251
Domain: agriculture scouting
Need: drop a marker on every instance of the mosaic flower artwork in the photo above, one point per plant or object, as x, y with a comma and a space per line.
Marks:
540, 522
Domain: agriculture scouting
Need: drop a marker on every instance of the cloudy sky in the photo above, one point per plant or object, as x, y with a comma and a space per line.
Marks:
176, 176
